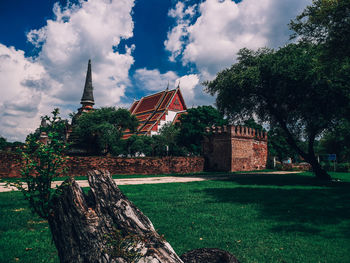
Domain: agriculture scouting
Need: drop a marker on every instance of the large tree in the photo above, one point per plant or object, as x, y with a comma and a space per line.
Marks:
100, 130
192, 126
287, 88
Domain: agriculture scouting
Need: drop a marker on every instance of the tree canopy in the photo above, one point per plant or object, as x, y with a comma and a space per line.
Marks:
100, 130
325, 22
192, 126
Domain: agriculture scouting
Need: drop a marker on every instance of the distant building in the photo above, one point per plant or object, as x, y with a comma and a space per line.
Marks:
153, 111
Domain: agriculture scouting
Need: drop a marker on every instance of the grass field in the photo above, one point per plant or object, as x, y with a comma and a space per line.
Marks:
275, 218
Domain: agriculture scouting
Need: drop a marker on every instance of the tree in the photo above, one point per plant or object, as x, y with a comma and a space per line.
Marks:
326, 22
192, 126
286, 88
100, 131
3, 143
40, 164
138, 145
165, 143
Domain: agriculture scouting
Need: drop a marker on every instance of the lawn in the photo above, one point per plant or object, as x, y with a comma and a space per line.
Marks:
275, 218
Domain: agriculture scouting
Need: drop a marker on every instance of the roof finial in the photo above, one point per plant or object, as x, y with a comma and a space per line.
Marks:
178, 84
167, 87
88, 97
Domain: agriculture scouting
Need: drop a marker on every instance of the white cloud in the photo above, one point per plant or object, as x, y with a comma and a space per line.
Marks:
23, 87
33, 87
153, 80
223, 27
187, 85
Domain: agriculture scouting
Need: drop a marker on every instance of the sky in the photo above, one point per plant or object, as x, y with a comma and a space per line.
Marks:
137, 47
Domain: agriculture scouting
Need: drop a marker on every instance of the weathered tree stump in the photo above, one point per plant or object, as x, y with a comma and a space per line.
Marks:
208, 255
103, 226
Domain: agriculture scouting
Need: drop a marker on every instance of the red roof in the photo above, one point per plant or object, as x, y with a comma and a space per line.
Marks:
133, 106
148, 103
166, 100
143, 117
149, 110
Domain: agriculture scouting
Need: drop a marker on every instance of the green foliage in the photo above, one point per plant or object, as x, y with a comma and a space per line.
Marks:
278, 146
337, 141
192, 126
137, 145
3, 143
165, 144
326, 22
251, 123
40, 164
100, 131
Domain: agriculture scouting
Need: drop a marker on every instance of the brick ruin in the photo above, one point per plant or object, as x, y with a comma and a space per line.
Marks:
234, 148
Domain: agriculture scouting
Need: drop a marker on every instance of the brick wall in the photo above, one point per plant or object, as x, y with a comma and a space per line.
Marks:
9, 164
235, 148
10, 167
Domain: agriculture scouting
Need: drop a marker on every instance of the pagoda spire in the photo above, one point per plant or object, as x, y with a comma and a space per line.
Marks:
87, 100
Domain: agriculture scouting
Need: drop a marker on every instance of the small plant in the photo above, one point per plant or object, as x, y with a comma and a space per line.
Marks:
123, 245
41, 162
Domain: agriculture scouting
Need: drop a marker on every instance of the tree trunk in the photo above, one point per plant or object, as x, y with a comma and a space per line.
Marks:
103, 226
319, 172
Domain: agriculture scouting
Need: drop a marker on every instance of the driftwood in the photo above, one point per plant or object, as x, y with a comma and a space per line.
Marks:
103, 226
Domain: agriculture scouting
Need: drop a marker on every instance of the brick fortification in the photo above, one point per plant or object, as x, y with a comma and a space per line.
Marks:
10, 165
234, 148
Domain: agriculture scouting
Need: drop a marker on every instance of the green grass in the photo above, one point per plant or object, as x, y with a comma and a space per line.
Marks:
269, 218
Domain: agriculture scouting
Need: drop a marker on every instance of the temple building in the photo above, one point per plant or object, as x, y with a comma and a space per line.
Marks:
153, 111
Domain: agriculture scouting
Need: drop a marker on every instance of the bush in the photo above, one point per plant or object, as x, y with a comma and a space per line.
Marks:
339, 167
343, 167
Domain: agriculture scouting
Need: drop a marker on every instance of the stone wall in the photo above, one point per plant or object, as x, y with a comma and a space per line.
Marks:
10, 166
234, 148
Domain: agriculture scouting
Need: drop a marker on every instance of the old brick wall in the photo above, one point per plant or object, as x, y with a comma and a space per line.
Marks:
10, 167
235, 148
9, 164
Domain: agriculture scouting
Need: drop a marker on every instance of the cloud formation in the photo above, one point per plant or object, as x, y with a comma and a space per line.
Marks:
210, 34
32, 87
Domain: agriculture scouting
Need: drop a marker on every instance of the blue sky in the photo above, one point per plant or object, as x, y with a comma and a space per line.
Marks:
136, 47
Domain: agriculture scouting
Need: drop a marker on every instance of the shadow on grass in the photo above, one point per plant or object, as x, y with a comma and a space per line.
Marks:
307, 210
285, 180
